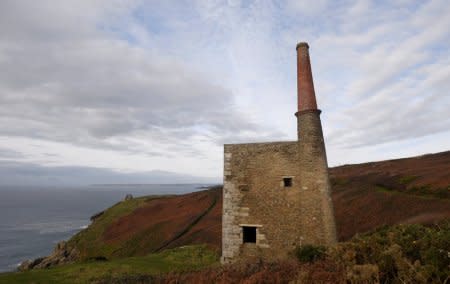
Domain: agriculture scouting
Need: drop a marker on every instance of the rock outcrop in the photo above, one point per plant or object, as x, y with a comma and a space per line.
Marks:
128, 197
62, 254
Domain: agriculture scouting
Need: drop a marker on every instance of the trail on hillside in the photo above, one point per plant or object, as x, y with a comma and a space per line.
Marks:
189, 226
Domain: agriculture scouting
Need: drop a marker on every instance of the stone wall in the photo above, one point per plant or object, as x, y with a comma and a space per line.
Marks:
255, 195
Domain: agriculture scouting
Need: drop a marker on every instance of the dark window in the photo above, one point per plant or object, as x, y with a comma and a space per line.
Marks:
287, 182
249, 234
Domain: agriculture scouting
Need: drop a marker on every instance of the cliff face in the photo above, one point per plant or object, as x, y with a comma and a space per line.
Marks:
365, 196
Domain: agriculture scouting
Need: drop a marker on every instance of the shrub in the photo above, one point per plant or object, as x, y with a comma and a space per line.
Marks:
403, 253
407, 179
310, 253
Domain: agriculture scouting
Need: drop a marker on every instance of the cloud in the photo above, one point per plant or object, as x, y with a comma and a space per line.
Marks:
390, 73
22, 173
307, 8
9, 154
86, 86
141, 84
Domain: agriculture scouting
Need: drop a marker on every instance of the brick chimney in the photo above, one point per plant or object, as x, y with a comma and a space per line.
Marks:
305, 84
314, 179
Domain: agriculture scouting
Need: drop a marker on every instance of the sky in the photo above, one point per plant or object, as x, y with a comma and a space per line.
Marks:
99, 91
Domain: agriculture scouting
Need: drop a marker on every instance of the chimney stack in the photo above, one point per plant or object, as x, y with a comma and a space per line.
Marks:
314, 179
305, 84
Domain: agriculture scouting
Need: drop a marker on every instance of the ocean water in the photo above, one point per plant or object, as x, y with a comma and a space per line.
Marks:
34, 219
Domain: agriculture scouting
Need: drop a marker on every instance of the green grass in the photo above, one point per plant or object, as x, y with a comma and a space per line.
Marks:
89, 241
384, 188
186, 258
425, 192
407, 179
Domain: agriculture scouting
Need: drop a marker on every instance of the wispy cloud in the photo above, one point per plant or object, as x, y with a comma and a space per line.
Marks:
97, 90
149, 82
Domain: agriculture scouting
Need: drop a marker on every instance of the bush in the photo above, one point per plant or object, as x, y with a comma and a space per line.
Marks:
310, 253
403, 253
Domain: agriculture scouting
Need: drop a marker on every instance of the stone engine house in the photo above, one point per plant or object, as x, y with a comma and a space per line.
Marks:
276, 195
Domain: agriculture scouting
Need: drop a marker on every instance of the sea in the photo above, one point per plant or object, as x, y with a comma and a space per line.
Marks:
34, 219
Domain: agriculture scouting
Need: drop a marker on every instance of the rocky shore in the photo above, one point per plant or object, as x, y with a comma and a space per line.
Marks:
62, 254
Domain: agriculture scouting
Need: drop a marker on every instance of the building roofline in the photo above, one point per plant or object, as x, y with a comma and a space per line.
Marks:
254, 143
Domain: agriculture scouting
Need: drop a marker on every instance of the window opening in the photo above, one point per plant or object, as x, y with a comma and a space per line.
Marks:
287, 182
249, 234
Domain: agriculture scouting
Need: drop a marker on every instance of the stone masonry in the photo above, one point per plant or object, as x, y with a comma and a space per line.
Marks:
280, 190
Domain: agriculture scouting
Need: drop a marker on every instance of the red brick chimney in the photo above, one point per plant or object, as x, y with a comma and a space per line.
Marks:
305, 85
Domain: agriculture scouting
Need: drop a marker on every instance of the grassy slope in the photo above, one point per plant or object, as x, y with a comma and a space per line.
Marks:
144, 225
411, 190
89, 241
427, 175
398, 254
179, 259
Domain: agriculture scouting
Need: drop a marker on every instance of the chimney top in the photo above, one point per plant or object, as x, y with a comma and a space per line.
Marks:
305, 85
302, 44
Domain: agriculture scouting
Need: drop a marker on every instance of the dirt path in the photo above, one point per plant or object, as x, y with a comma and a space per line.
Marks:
189, 226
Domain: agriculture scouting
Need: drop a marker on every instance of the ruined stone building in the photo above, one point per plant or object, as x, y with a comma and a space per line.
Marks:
276, 195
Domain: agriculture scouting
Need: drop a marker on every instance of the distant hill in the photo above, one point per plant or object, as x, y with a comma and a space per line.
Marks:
365, 196
410, 190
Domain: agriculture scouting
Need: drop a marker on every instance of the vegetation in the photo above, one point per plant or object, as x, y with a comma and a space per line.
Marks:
424, 191
407, 179
365, 196
189, 258
89, 241
401, 254
338, 181
310, 253
396, 254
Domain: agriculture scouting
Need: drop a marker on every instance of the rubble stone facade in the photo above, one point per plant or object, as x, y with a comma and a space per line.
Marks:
276, 195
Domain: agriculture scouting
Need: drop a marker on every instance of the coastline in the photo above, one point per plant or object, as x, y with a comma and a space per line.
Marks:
35, 219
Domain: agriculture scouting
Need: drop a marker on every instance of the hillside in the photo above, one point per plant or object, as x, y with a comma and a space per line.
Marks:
365, 196
140, 240
410, 190
151, 224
